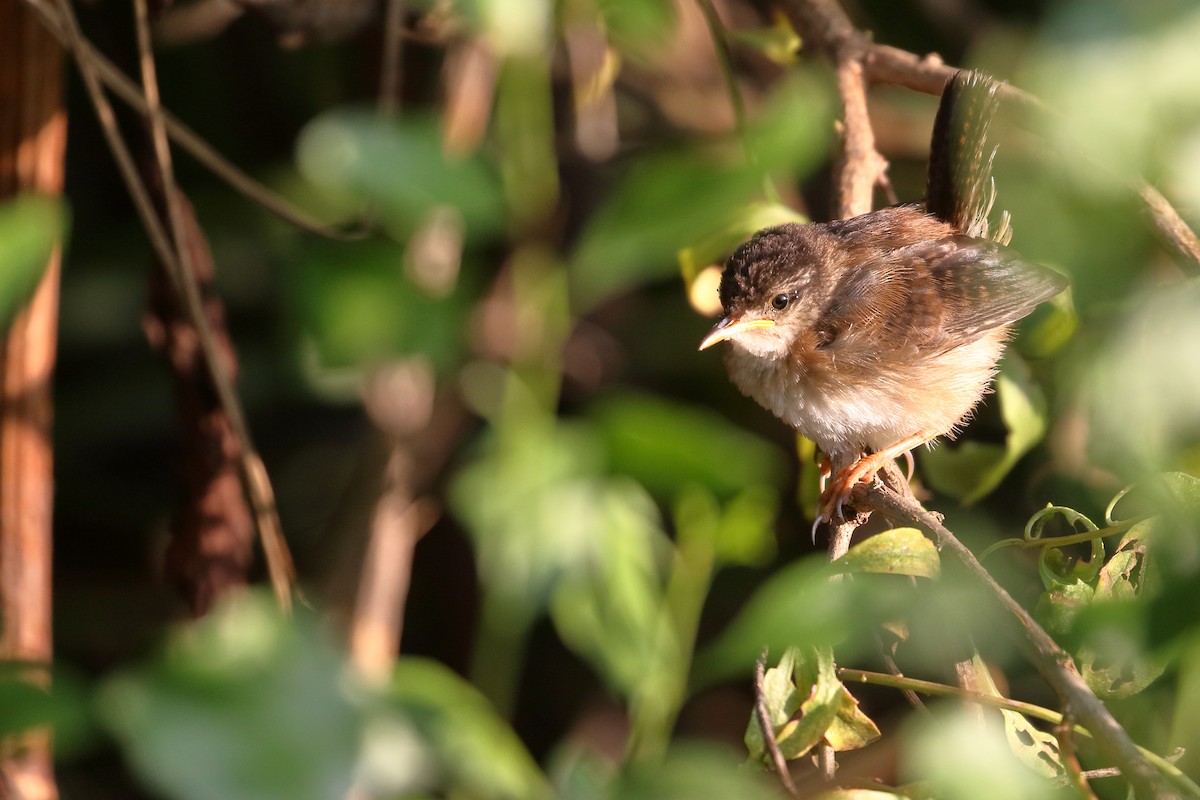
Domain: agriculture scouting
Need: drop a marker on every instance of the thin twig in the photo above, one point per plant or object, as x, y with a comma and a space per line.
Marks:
1169, 224
894, 669
768, 729
253, 474
1051, 661
825, 24
393, 40
60, 25
1064, 732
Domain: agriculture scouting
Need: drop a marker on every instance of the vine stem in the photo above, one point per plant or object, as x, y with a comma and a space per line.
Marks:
1051, 661
933, 689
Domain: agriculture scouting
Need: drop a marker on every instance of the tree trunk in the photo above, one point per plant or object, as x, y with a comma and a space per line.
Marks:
32, 140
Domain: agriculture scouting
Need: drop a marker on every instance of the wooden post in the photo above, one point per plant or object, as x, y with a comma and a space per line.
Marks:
32, 141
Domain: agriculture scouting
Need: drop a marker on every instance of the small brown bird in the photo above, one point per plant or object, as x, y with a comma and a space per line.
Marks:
876, 334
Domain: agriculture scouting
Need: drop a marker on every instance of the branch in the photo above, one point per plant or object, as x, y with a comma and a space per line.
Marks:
1051, 661
253, 473
934, 689
67, 32
824, 24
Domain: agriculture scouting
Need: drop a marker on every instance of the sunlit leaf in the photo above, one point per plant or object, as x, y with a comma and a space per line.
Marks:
973, 469
1037, 749
817, 683
609, 609
478, 752
245, 703
532, 503
851, 729
1060, 604
746, 532
513, 27
30, 227
899, 551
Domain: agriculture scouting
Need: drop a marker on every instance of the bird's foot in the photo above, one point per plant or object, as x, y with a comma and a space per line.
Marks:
838, 492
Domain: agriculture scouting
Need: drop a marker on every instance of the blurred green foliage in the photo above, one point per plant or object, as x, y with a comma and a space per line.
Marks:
613, 496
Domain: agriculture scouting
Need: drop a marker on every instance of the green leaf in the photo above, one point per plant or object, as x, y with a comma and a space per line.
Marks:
1116, 666
1059, 605
973, 469
746, 532
899, 551
30, 228
1037, 749
359, 308
609, 607
25, 704
782, 700
963, 759
477, 751
851, 729
668, 200
817, 683
799, 605
244, 703
400, 165
638, 27
667, 446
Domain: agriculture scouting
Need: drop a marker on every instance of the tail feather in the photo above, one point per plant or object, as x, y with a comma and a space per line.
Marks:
960, 189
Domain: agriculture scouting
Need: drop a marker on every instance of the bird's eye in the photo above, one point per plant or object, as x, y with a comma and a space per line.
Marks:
780, 302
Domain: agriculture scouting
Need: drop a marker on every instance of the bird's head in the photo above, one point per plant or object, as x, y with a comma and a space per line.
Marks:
771, 289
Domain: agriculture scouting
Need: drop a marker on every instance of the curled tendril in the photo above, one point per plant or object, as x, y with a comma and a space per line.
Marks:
1112, 505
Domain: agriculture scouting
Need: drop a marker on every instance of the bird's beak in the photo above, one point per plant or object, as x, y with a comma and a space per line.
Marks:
727, 329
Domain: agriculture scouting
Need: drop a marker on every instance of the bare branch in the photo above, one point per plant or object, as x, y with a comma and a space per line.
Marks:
1051, 661
258, 487
71, 38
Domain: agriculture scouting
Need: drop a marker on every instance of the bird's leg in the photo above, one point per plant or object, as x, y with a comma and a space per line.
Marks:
863, 471
825, 467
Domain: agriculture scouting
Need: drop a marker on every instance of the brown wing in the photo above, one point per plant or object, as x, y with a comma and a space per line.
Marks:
933, 296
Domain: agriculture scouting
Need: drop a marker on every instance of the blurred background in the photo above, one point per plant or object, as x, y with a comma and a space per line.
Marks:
507, 364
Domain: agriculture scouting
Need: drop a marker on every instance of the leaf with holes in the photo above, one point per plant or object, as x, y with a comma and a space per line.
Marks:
1114, 664
1035, 748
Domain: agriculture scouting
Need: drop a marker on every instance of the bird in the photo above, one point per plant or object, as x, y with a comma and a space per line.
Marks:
876, 334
